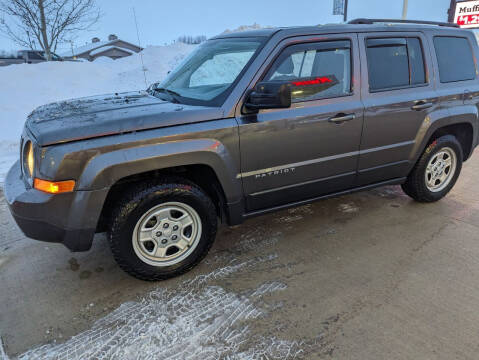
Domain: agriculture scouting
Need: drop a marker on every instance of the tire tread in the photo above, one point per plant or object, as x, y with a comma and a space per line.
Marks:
415, 186
126, 205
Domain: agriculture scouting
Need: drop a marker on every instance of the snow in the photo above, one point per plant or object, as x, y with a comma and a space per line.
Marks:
195, 320
85, 48
106, 48
9, 153
92, 46
25, 86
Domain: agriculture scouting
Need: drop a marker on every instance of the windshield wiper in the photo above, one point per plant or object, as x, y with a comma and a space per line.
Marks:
172, 94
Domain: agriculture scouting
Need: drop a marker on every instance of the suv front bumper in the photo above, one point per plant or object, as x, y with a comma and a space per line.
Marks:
68, 218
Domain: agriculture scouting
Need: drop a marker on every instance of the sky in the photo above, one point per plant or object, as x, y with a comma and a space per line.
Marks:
162, 21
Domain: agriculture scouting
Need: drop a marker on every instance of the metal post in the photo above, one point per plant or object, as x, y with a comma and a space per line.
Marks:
404, 10
452, 11
345, 10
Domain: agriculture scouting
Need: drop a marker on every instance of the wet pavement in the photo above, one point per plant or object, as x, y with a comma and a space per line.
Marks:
371, 275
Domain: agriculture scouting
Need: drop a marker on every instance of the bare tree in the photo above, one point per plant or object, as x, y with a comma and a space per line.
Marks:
192, 40
46, 22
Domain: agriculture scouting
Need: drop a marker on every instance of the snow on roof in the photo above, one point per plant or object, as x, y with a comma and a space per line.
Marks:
92, 46
85, 48
106, 48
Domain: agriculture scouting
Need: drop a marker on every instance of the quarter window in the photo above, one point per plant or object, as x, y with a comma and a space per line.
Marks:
328, 63
455, 60
395, 63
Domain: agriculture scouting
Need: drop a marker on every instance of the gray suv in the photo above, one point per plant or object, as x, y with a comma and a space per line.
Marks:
249, 123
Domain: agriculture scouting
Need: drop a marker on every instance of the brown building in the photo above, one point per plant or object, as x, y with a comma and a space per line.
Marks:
113, 48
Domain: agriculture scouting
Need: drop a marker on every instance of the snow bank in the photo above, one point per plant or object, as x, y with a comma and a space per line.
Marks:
25, 87
9, 153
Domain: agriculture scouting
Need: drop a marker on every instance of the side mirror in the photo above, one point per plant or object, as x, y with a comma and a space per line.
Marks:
270, 95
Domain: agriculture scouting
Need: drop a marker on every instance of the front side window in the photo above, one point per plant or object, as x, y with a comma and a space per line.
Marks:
395, 63
327, 63
208, 73
455, 60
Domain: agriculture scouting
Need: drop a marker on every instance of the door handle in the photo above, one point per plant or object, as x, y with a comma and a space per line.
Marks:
340, 118
421, 105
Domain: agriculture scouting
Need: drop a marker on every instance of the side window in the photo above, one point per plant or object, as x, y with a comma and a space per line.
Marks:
326, 66
395, 63
455, 60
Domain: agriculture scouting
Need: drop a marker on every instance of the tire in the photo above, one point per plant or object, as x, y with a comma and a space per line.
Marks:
146, 220
422, 184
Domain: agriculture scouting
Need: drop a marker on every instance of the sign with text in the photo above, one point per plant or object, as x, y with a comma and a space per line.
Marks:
467, 14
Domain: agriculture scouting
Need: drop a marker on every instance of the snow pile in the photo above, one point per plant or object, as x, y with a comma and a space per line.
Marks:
245, 28
9, 153
25, 87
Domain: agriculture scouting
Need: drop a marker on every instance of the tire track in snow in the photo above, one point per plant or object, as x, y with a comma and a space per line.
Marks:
193, 321
3, 355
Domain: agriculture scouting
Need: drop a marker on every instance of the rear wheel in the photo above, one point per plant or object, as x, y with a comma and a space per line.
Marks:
162, 229
436, 171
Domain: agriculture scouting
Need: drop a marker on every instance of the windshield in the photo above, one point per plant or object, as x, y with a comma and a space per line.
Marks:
207, 75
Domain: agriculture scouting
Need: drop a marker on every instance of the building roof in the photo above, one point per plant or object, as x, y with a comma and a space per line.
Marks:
88, 48
110, 47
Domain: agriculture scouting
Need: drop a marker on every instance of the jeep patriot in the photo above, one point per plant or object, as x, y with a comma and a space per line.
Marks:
249, 123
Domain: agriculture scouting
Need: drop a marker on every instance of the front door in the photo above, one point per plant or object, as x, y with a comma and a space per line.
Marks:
310, 149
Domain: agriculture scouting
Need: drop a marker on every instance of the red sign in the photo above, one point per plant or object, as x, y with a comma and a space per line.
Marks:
467, 14
465, 20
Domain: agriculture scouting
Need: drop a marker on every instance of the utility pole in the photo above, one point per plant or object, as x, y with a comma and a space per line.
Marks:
345, 10
404, 9
452, 11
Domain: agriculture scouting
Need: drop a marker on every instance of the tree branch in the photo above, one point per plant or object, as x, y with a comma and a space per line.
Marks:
49, 22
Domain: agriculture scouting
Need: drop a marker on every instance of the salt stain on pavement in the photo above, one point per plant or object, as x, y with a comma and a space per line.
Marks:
348, 208
193, 321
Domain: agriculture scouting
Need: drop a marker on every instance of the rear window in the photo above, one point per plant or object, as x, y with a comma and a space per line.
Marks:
395, 63
455, 60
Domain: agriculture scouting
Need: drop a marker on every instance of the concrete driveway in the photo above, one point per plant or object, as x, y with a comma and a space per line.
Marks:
372, 275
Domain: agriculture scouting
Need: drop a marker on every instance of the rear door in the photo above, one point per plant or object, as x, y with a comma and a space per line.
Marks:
310, 149
458, 83
398, 94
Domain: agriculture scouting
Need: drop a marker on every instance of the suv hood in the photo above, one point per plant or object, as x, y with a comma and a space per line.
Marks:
103, 115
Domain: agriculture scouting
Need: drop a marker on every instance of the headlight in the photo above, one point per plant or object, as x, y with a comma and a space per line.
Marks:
28, 158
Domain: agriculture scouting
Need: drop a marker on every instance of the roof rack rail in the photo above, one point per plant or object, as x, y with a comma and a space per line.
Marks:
373, 21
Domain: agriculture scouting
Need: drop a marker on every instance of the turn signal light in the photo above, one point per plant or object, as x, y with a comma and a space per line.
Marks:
54, 187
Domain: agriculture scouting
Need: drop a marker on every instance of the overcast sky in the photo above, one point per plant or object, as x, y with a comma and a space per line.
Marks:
163, 21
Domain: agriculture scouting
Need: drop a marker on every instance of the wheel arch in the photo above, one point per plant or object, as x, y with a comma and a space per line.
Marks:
206, 162
201, 175
463, 132
460, 122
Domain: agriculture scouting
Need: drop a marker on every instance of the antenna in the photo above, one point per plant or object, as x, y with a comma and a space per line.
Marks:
139, 44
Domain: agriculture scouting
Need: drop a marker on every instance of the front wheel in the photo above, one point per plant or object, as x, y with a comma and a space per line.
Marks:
163, 229
437, 170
